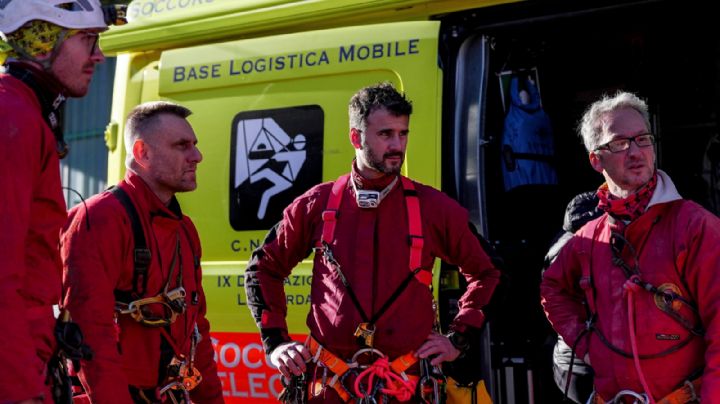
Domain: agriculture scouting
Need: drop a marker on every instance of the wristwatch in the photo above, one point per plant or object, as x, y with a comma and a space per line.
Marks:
459, 340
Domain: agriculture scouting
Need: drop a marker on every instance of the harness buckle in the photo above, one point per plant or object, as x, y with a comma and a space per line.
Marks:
639, 398
374, 353
179, 371
365, 333
176, 299
140, 311
329, 215
691, 389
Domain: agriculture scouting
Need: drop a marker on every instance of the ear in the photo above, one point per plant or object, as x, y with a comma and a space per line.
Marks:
596, 162
140, 152
355, 138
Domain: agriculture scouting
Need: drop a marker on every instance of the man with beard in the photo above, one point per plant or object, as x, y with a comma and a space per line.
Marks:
375, 234
635, 291
132, 272
48, 51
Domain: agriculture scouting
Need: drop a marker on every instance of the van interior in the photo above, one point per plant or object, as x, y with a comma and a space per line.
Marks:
666, 52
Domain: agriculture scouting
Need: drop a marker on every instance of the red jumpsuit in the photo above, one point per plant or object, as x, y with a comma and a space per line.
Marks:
32, 211
677, 244
97, 250
372, 248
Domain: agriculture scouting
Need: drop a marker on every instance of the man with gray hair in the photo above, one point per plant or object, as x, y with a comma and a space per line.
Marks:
635, 291
132, 276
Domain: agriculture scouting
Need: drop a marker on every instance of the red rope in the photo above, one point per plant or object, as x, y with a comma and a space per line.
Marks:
631, 286
396, 386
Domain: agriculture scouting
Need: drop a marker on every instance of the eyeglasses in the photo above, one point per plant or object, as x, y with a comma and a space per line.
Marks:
92, 39
619, 145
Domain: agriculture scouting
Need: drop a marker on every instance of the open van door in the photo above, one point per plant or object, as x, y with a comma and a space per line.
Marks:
271, 119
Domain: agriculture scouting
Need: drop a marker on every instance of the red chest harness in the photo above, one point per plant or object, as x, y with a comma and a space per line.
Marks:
366, 329
415, 234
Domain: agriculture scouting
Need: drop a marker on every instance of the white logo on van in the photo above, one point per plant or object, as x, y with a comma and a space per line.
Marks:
265, 151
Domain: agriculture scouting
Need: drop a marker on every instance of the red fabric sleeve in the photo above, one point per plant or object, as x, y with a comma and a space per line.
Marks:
20, 163
699, 259
562, 298
461, 247
93, 259
210, 389
285, 246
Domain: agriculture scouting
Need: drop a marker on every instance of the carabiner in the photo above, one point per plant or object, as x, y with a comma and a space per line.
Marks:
640, 398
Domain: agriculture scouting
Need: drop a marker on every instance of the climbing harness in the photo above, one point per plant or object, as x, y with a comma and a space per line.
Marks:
181, 376
141, 253
665, 298
368, 376
161, 310
366, 330
685, 394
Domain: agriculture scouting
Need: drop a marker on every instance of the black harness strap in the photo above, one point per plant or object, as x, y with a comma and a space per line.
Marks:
617, 244
375, 317
141, 254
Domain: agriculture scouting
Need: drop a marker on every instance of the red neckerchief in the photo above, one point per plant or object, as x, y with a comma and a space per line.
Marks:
630, 208
377, 184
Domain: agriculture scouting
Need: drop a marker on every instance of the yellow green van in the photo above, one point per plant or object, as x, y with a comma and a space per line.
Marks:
268, 82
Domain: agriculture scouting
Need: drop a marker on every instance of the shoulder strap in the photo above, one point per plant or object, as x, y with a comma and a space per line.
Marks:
415, 233
330, 214
141, 253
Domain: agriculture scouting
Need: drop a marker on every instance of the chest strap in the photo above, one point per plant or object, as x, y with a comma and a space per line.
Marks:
141, 253
415, 234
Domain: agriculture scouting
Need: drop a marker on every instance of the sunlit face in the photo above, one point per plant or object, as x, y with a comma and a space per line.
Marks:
380, 148
172, 157
75, 62
630, 169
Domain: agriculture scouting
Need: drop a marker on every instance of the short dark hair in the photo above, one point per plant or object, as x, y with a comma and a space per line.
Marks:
371, 98
142, 119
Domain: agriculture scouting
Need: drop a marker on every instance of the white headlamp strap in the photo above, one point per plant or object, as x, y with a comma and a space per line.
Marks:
369, 199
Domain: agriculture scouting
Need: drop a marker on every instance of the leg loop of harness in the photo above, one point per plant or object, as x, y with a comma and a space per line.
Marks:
370, 376
640, 398
687, 393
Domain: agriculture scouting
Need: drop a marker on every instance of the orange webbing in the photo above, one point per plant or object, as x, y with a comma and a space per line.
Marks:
327, 358
332, 362
403, 363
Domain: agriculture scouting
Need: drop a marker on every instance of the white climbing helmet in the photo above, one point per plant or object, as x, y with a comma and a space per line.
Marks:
74, 14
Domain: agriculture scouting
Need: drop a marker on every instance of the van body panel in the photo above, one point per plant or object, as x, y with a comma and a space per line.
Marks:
156, 24
270, 115
268, 82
